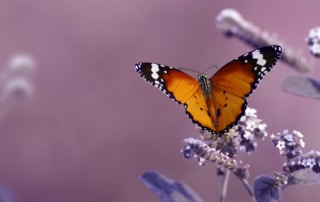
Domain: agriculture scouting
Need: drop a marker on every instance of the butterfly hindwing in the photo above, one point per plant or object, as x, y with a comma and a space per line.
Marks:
197, 110
229, 109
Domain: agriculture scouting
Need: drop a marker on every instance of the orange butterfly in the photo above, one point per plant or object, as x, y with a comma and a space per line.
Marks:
216, 103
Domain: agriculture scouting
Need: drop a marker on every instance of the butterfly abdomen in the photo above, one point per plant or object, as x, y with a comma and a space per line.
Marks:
205, 85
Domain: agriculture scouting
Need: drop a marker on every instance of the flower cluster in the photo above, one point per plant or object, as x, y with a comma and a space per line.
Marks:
304, 168
249, 128
288, 144
308, 160
300, 167
242, 136
223, 150
203, 153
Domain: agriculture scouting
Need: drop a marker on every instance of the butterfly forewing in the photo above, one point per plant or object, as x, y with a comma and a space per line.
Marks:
242, 75
178, 85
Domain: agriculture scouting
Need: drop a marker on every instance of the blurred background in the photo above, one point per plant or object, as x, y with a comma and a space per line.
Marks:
93, 126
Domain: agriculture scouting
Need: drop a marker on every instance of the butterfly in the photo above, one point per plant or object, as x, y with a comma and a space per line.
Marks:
216, 103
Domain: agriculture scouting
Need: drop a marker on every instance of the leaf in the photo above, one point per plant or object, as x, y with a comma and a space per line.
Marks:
265, 189
304, 176
168, 190
302, 85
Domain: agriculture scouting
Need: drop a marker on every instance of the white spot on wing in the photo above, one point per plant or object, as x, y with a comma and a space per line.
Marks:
259, 57
155, 70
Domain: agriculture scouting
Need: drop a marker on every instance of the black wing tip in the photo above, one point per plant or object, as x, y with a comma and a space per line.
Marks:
138, 67
278, 50
275, 47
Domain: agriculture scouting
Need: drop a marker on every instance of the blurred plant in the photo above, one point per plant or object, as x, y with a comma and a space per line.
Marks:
169, 190
15, 82
313, 41
231, 23
6, 195
298, 168
304, 85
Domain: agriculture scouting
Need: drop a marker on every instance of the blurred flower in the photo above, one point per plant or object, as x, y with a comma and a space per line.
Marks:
313, 41
21, 64
19, 87
15, 81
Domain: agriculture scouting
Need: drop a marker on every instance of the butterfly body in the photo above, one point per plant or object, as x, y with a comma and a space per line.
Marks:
214, 103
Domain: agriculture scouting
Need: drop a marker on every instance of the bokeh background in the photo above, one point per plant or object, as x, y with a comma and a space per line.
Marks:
93, 126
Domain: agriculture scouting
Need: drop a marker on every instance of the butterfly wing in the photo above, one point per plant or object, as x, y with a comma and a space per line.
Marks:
180, 87
176, 84
236, 80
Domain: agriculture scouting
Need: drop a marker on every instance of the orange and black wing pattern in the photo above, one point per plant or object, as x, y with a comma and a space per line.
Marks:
236, 80
180, 87
215, 104
176, 84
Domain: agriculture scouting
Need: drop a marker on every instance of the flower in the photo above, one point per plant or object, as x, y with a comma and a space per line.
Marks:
203, 153
223, 150
288, 144
313, 41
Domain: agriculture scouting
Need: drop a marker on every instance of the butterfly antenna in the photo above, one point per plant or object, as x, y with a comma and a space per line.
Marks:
212, 66
191, 70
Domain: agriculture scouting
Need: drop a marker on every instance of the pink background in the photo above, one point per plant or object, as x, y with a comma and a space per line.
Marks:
94, 126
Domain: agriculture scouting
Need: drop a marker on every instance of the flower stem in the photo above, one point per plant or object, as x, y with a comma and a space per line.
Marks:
224, 186
248, 188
